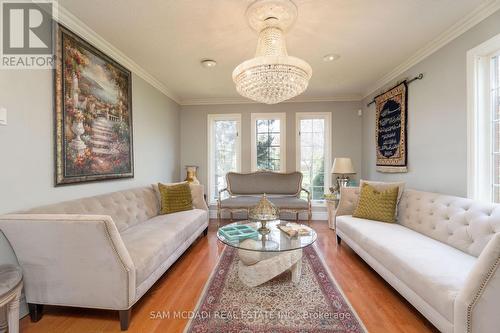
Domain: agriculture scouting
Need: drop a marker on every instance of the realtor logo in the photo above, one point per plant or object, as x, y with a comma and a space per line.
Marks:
27, 34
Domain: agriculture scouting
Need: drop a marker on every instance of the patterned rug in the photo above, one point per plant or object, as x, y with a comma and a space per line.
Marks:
316, 304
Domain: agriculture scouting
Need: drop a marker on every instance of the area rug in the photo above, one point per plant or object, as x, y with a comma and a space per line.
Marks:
315, 304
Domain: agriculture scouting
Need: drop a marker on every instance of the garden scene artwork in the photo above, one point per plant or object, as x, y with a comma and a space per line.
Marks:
93, 113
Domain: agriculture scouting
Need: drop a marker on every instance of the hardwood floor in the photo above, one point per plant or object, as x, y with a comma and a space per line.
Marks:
380, 307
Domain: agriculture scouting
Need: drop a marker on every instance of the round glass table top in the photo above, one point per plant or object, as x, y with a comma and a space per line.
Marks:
274, 241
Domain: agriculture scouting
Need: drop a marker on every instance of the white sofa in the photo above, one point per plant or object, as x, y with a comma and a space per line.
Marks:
442, 256
100, 252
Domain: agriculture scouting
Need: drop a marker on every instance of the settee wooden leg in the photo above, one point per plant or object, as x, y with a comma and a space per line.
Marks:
124, 319
339, 240
36, 311
205, 232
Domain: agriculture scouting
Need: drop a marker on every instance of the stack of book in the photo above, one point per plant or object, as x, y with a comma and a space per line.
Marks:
294, 230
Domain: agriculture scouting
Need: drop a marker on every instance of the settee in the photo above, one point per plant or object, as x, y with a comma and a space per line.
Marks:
282, 189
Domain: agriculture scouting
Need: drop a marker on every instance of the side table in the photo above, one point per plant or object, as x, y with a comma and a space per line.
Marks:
331, 206
10, 294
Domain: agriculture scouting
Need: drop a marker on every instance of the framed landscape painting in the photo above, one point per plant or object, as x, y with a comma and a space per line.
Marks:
93, 113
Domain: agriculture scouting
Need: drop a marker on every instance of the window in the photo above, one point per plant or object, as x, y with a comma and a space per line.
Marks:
224, 147
268, 141
313, 152
483, 90
495, 124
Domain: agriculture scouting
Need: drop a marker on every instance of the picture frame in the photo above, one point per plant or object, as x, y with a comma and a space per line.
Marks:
93, 113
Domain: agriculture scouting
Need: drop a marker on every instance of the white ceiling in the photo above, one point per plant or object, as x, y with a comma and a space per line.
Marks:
168, 38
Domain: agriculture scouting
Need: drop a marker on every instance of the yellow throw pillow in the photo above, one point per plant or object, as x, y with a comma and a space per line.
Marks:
175, 198
377, 205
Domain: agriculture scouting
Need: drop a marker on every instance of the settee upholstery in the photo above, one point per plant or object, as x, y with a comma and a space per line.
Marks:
442, 256
101, 252
282, 189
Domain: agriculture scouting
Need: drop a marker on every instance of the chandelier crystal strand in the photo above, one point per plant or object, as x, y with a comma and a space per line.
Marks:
272, 76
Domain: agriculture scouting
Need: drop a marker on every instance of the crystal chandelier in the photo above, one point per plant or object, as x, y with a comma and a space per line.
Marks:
272, 76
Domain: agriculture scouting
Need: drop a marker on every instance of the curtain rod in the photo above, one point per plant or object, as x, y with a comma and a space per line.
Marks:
418, 77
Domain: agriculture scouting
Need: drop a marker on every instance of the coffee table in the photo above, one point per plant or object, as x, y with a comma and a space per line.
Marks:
266, 256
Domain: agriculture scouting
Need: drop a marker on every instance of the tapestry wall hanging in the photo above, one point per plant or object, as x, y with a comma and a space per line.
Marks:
93, 113
391, 125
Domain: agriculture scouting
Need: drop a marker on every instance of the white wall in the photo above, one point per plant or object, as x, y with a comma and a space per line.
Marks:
27, 143
437, 119
346, 131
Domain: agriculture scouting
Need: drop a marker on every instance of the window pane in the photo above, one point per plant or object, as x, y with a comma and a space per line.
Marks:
495, 112
496, 193
495, 88
268, 144
262, 126
306, 139
262, 138
274, 125
496, 169
318, 125
224, 152
274, 153
496, 136
496, 104
306, 155
306, 125
312, 156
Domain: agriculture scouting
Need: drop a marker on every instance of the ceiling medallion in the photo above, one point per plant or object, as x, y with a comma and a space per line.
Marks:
272, 76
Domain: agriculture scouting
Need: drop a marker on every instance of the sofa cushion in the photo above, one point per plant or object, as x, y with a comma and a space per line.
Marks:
381, 186
261, 182
197, 193
175, 198
432, 269
377, 205
291, 202
152, 242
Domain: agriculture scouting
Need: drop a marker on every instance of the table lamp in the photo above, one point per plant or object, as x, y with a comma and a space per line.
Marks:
342, 166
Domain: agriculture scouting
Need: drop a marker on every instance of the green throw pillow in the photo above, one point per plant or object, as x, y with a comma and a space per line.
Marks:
377, 205
175, 198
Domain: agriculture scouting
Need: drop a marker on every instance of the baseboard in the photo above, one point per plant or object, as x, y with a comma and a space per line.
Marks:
316, 215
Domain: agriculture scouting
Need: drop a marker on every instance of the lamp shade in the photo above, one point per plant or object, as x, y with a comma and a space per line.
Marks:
343, 166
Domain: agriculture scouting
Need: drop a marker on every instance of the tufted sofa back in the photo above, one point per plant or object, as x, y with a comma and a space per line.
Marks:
260, 182
465, 224
462, 223
126, 208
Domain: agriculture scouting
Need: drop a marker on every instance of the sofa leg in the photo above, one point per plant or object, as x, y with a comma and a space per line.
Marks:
36, 311
205, 232
339, 240
124, 319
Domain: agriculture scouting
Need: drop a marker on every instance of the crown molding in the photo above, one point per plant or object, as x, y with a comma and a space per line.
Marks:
242, 100
69, 20
466, 23
66, 18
